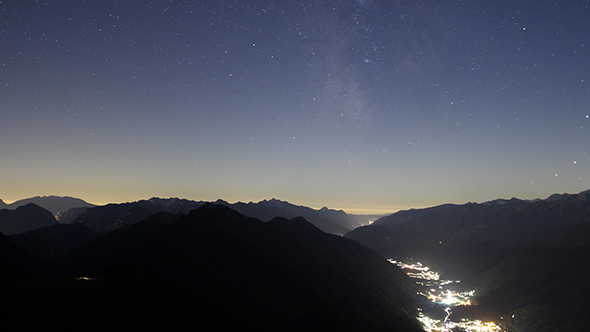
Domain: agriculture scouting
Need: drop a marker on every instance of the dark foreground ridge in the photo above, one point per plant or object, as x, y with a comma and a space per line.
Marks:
212, 269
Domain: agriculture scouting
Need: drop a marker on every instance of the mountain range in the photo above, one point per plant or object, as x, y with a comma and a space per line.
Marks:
526, 259
212, 269
329, 221
511, 221
271, 265
68, 210
108, 217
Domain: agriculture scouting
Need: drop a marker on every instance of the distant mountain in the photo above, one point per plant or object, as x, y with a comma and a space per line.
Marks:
3, 205
68, 216
411, 214
25, 218
406, 215
329, 221
342, 218
513, 221
53, 204
216, 269
112, 216
109, 217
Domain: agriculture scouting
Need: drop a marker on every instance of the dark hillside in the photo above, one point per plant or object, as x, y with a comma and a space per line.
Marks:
24, 219
527, 258
217, 270
14, 261
50, 242
411, 214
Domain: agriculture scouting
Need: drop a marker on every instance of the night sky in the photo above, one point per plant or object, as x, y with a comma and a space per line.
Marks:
369, 106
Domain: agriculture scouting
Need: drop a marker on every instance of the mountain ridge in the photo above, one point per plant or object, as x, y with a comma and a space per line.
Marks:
111, 216
52, 203
25, 218
525, 259
217, 269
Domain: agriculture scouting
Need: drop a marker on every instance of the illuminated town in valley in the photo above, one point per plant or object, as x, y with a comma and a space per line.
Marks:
434, 291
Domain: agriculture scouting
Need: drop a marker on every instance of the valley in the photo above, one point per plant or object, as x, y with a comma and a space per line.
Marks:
264, 165
504, 265
526, 261
439, 300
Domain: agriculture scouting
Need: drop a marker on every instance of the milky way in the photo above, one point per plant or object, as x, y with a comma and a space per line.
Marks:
372, 105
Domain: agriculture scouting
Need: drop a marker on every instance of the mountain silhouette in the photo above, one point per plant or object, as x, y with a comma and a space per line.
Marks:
216, 269
109, 217
25, 218
112, 216
53, 204
406, 215
329, 221
512, 222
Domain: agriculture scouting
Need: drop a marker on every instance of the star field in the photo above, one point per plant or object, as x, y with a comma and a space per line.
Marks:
361, 105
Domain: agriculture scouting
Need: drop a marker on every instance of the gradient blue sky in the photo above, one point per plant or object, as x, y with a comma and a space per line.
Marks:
368, 106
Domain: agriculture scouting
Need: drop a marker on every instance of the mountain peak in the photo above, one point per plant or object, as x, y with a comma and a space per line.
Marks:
221, 202
273, 201
25, 218
53, 203
501, 201
557, 196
